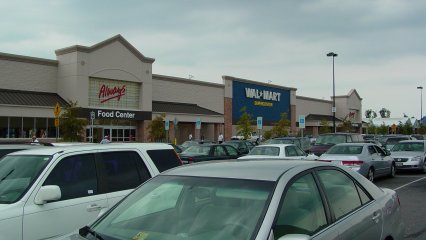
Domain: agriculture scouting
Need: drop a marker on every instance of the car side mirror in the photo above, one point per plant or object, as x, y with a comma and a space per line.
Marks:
47, 193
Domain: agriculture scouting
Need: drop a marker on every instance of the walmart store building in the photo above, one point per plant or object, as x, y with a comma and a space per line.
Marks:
113, 82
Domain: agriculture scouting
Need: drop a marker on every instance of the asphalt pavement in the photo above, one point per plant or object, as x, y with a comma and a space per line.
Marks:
411, 189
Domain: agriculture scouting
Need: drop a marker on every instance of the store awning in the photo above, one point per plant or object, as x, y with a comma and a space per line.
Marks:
186, 108
30, 98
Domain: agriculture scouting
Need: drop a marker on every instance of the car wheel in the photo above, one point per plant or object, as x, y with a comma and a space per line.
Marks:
424, 167
370, 175
393, 171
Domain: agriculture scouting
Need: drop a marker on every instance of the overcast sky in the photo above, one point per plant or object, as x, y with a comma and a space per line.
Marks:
381, 44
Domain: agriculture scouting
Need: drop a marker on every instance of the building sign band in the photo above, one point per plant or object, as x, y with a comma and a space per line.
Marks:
114, 94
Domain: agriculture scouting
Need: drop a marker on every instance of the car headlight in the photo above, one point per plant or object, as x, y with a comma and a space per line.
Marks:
418, 158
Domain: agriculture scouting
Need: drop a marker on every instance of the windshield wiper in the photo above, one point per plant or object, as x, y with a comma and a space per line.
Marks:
7, 175
86, 230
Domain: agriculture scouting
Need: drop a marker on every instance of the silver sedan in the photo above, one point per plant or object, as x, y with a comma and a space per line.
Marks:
367, 159
253, 200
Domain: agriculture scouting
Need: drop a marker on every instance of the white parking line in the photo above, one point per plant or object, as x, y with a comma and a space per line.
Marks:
409, 183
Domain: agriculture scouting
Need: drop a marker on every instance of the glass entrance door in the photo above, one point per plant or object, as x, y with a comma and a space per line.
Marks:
115, 133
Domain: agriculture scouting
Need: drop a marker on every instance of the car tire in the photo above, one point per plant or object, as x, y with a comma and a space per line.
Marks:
424, 167
392, 171
370, 175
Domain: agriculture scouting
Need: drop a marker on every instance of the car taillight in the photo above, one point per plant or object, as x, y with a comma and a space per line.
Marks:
190, 160
352, 163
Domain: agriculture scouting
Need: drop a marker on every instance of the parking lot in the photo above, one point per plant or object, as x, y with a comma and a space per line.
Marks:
411, 189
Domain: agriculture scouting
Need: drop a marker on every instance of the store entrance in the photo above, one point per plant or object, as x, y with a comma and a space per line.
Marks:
115, 133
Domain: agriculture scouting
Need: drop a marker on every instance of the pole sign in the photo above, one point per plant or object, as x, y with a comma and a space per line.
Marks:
301, 121
57, 110
167, 124
259, 122
198, 123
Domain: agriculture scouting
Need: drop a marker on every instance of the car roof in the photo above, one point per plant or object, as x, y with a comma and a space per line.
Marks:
77, 148
276, 145
355, 144
260, 169
413, 141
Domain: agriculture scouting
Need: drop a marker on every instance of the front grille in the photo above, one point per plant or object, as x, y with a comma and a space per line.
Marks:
401, 159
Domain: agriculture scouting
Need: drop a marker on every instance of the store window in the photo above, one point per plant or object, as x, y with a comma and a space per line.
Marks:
25, 127
4, 123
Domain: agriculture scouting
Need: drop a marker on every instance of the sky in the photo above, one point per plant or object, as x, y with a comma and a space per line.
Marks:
381, 44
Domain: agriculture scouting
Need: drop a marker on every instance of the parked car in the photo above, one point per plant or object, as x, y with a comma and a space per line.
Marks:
278, 151
208, 152
367, 159
189, 143
263, 200
326, 141
176, 147
419, 136
410, 155
302, 142
243, 146
51, 191
389, 141
254, 137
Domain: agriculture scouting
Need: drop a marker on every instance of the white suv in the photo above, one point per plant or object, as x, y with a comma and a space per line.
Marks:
49, 192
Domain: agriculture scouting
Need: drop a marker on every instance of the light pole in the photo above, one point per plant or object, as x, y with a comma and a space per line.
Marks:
421, 102
332, 54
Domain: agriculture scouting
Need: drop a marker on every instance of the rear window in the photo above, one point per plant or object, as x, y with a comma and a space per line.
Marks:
345, 150
164, 159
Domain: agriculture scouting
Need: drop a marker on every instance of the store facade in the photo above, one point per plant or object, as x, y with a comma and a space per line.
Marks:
119, 95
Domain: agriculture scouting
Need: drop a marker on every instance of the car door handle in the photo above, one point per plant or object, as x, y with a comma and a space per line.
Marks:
376, 217
93, 207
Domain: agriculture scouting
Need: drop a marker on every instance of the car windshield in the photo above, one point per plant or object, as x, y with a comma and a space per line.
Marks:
330, 139
188, 144
408, 147
347, 149
265, 150
234, 144
196, 208
17, 172
197, 150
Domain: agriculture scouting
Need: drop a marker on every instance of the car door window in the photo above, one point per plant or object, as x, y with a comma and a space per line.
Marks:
164, 159
75, 176
341, 192
380, 151
371, 150
231, 151
219, 151
291, 151
302, 210
348, 139
299, 151
121, 171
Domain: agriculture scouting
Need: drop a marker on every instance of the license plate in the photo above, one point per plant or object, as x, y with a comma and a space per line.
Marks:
398, 164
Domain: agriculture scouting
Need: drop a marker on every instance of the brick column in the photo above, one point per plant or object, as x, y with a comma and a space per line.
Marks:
228, 118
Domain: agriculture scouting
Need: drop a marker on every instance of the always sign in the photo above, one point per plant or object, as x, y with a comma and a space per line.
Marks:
106, 93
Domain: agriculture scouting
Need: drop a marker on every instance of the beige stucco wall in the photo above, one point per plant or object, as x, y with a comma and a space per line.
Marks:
306, 106
206, 95
113, 61
26, 111
28, 76
347, 104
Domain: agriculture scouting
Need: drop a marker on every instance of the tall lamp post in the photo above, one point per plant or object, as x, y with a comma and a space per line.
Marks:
332, 54
421, 102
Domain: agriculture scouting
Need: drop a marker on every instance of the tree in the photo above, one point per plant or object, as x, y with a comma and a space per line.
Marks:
324, 128
384, 113
72, 127
244, 124
281, 128
383, 129
370, 113
371, 129
156, 129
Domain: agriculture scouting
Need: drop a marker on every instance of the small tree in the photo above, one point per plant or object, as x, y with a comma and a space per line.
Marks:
71, 127
372, 129
384, 113
244, 124
156, 129
324, 128
281, 128
383, 129
370, 113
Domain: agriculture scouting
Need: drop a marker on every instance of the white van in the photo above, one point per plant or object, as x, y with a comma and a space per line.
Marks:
49, 192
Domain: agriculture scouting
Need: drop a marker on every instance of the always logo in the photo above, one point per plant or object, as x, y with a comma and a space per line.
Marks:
106, 93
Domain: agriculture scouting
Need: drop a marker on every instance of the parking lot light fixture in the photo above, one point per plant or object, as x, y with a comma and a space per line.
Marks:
333, 55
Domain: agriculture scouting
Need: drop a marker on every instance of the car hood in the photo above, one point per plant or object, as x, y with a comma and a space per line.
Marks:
406, 154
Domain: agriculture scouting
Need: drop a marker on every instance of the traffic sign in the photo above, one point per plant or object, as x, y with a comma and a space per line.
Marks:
167, 124
259, 122
198, 123
92, 115
57, 110
56, 122
301, 121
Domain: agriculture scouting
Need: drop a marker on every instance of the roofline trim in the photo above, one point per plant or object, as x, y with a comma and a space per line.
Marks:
26, 59
119, 38
314, 99
231, 78
185, 80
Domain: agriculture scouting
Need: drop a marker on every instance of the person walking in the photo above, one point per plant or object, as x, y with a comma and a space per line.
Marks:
190, 137
220, 138
105, 140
